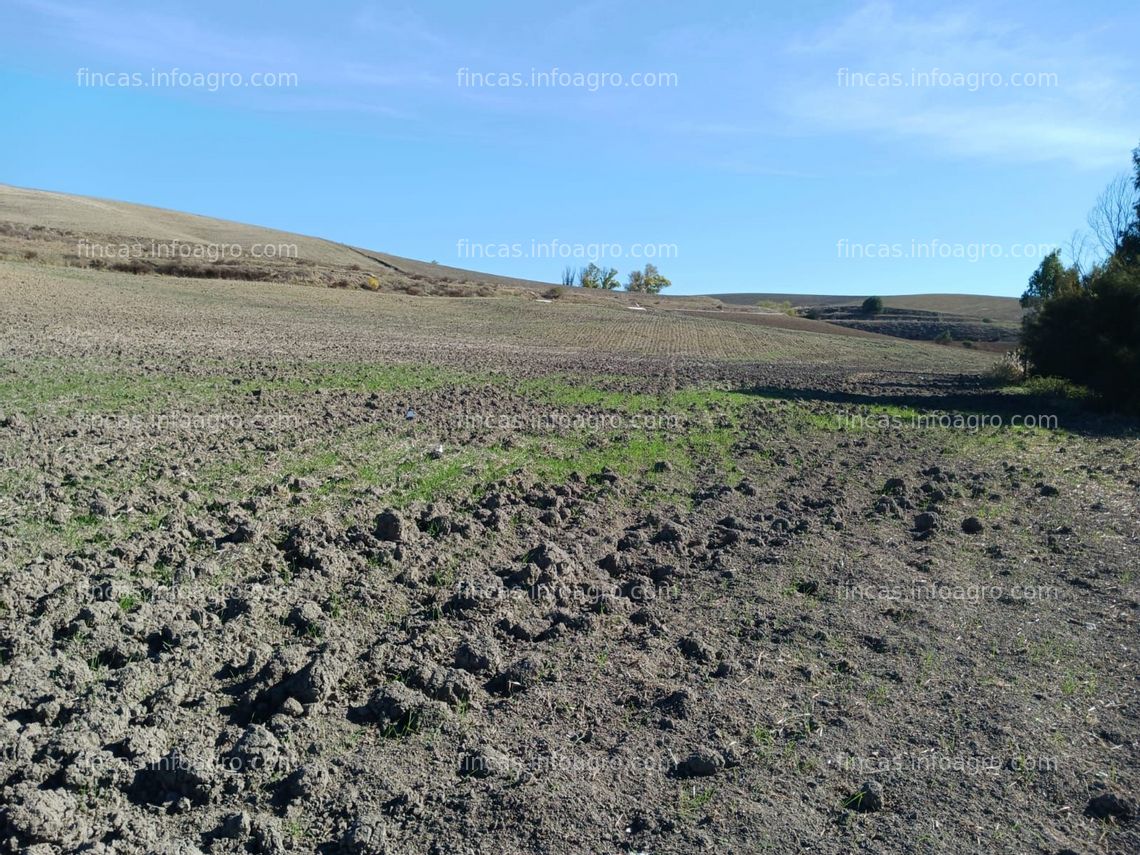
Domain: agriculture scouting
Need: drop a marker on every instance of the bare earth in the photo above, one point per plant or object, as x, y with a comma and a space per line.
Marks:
290, 569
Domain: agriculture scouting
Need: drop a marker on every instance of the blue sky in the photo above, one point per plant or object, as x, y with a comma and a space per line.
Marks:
762, 161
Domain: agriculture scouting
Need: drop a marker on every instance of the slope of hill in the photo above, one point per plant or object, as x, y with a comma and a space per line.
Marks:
973, 320
1003, 309
81, 232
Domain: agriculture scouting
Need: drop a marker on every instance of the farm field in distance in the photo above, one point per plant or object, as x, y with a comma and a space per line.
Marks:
289, 567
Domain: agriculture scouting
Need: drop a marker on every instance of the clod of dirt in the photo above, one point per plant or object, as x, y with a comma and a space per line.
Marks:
393, 528
450, 685
519, 676
317, 680
1047, 490
926, 522
312, 544
894, 486
292, 708
972, 525
306, 783
700, 764
478, 655
234, 825
244, 531
175, 776
100, 505
867, 799
669, 533
267, 835
306, 617
694, 647
15, 422
258, 750
46, 817
630, 540
366, 835
1110, 808
402, 711
549, 555
727, 668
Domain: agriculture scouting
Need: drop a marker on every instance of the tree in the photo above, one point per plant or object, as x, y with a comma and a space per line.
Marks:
1129, 251
1092, 336
647, 281
1086, 325
872, 305
590, 276
1050, 279
1115, 213
610, 279
568, 276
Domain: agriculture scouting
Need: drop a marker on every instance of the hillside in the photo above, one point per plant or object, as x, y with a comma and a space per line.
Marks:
79, 231
1005, 309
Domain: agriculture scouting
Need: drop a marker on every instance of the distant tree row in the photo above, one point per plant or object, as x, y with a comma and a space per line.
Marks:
647, 281
1084, 318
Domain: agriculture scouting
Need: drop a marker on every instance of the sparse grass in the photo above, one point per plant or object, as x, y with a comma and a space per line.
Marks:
690, 801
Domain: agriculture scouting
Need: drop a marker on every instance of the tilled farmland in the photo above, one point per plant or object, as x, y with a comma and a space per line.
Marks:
290, 569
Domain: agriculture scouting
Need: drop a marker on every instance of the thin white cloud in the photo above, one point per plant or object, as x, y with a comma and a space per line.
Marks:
1085, 113
397, 26
328, 78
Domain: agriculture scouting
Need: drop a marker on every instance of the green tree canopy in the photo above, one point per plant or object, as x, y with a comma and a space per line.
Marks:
647, 281
1051, 279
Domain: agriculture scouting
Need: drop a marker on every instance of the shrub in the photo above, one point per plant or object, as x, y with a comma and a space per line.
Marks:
785, 307
1085, 326
1056, 387
135, 266
1008, 370
943, 337
873, 305
1092, 336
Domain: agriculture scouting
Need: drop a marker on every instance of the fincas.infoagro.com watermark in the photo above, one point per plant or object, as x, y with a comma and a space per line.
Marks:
557, 249
938, 250
176, 250
969, 422
936, 78
176, 78
556, 78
